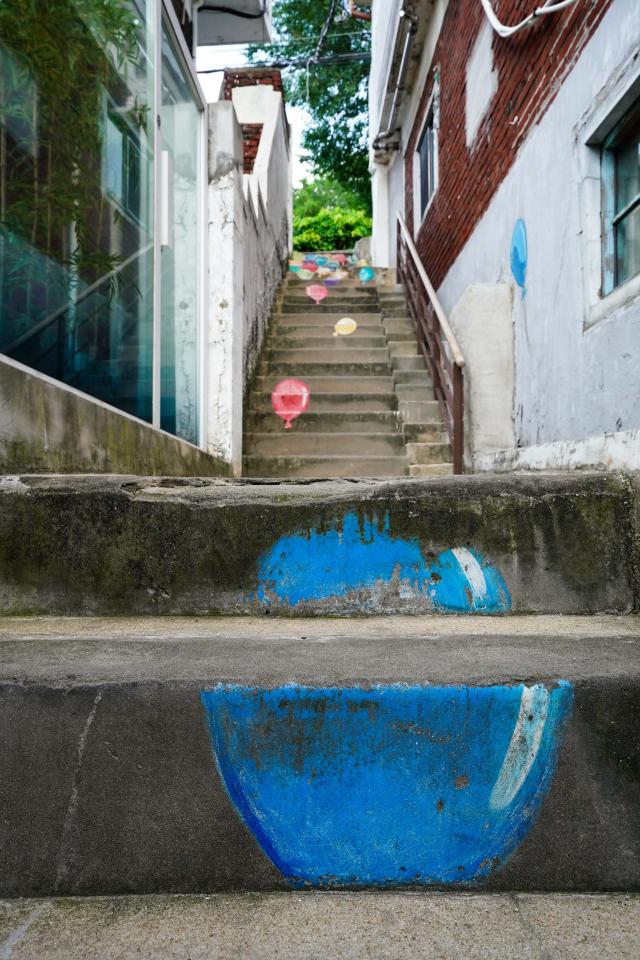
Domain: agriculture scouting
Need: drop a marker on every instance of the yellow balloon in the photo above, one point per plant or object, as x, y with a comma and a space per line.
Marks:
362, 263
344, 327
323, 272
305, 274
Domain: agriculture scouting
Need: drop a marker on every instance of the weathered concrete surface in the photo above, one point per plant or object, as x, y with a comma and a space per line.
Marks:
104, 544
46, 427
314, 926
109, 784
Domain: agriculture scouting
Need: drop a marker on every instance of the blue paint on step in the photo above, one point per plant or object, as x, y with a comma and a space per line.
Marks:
387, 786
364, 556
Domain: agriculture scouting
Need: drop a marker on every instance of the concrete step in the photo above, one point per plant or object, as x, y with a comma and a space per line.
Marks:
343, 926
312, 338
398, 324
330, 353
421, 392
405, 348
413, 361
356, 386
414, 376
327, 422
430, 469
424, 431
325, 368
293, 295
418, 411
346, 308
340, 403
324, 321
295, 443
398, 337
326, 467
192, 756
530, 544
429, 452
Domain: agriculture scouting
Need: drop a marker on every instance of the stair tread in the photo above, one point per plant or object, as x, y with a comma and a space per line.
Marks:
70, 651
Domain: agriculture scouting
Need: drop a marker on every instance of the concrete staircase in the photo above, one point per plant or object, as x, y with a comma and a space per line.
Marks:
372, 411
416, 685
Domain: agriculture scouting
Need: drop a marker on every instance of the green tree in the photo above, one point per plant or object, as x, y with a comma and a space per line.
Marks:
322, 193
334, 94
334, 229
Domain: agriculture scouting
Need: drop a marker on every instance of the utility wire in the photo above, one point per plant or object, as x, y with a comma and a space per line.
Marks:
283, 64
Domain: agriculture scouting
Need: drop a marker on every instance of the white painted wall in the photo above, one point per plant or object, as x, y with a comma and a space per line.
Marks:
575, 380
388, 178
249, 243
483, 321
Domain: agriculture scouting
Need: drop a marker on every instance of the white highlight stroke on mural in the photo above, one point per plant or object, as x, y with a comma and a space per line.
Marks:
472, 571
523, 749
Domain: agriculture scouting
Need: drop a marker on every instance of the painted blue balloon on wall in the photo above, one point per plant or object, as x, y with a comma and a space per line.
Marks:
363, 559
390, 785
519, 255
367, 274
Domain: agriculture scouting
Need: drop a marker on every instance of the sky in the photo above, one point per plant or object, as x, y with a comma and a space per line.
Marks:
233, 55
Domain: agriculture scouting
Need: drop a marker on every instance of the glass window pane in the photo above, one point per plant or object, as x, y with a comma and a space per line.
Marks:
425, 151
628, 168
628, 246
180, 293
76, 213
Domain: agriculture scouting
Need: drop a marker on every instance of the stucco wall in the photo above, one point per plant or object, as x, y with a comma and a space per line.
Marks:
249, 243
573, 380
48, 427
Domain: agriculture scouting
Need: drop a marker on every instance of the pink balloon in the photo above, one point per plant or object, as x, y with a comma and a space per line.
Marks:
310, 265
316, 292
289, 399
340, 258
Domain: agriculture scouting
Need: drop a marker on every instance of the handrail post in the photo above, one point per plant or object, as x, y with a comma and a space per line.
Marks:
434, 332
458, 420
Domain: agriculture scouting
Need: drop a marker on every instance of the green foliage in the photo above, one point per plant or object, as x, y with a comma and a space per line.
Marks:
335, 229
334, 94
57, 62
322, 193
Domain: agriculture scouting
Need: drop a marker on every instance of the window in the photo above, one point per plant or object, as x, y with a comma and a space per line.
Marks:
427, 154
621, 202
425, 158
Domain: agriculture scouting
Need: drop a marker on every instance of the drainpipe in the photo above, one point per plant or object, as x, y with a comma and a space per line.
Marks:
384, 142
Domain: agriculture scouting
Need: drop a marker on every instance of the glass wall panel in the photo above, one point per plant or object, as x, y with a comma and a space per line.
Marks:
180, 133
76, 197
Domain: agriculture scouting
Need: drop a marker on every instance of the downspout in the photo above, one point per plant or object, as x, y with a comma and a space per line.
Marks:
410, 23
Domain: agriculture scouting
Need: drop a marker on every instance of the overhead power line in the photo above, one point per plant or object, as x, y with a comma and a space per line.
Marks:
364, 56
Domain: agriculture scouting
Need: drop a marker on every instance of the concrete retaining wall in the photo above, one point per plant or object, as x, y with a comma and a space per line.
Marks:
521, 544
47, 427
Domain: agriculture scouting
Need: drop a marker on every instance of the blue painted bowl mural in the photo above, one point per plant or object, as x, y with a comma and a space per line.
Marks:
363, 556
392, 785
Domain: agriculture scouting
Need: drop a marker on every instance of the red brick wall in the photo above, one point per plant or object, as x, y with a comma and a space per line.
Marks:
251, 133
251, 77
531, 67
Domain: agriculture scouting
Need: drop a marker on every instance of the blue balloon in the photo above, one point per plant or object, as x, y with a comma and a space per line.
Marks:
519, 255
321, 261
366, 274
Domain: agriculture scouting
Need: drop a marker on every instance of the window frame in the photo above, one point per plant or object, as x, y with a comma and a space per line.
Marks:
612, 217
431, 116
617, 97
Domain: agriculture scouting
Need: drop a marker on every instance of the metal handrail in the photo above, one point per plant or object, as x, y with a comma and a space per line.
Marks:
433, 296
437, 341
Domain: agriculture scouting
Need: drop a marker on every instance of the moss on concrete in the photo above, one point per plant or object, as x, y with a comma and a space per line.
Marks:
119, 545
